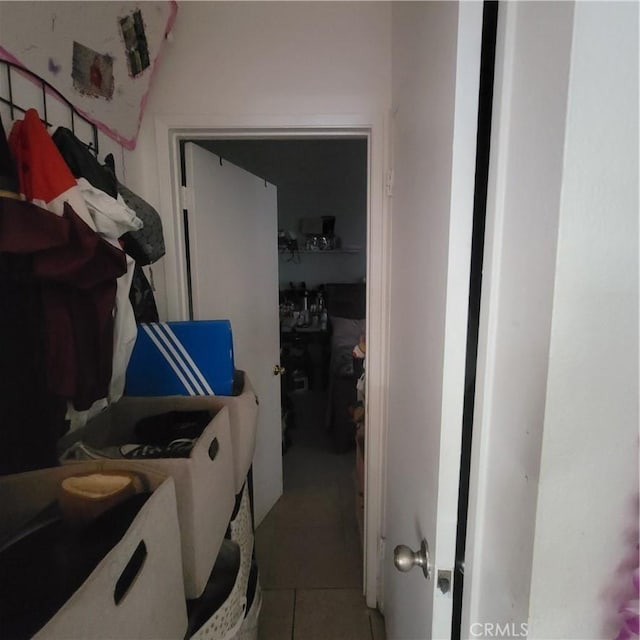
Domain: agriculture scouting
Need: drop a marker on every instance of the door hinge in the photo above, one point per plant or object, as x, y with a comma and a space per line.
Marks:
186, 198
388, 183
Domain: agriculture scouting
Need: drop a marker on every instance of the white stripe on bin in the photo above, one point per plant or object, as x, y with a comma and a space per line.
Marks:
187, 357
177, 359
167, 357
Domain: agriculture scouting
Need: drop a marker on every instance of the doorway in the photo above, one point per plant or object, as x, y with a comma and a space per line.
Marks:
369, 130
322, 232
321, 188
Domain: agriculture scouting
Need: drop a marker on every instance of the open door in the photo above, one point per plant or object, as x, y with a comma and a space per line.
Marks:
436, 70
232, 242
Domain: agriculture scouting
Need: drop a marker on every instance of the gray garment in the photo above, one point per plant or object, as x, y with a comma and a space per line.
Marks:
149, 241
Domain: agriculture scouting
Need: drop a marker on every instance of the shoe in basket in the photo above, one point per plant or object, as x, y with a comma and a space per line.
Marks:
178, 448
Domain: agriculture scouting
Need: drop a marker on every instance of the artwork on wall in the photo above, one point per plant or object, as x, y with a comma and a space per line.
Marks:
135, 40
92, 72
100, 55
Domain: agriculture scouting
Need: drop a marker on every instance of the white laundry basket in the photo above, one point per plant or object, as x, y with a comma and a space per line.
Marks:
225, 623
241, 528
249, 627
229, 620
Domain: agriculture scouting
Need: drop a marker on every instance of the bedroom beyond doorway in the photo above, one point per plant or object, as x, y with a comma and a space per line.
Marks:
322, 200
322, 232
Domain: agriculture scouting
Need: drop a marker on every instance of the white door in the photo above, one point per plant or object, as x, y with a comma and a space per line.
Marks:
436, 59
234, 274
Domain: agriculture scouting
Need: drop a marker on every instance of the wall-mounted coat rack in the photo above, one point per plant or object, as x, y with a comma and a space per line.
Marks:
11, 73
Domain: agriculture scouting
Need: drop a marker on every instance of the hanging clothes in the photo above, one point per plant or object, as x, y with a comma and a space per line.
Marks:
146, 245
116, 222
82, 163
78, 279
31, 417
142, 299
44, 177
79, 303
113, 219
9, 185
124, 218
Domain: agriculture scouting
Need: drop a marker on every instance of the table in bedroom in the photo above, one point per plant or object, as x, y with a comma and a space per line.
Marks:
305, 354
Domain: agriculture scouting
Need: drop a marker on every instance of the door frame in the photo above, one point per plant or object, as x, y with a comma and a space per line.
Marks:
169, 131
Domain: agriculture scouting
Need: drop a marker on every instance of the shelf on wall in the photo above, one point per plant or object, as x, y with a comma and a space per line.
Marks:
320, 251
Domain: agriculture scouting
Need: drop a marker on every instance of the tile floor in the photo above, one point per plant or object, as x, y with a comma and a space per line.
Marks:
308, 548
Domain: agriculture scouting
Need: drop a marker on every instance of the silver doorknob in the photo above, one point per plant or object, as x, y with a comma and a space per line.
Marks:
405, 559
278, 370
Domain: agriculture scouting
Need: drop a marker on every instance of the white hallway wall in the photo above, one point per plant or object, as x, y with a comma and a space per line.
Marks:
556, 428
239, 59
586, 532
529, 107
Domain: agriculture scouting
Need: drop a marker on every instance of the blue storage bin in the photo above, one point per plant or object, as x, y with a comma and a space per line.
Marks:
182, 358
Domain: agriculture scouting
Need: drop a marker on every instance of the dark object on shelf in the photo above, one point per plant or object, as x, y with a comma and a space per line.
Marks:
321, 242
328, 225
